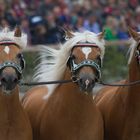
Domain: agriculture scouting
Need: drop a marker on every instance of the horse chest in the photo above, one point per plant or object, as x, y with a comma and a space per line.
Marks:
12, 133
131, 133
69, 120
13, 126
132, 127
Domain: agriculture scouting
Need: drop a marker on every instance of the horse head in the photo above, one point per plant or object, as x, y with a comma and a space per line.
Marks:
11, 59
85, 60
79, 58
135, 45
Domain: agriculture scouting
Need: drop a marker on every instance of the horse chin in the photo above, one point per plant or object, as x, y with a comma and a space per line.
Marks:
6, 91
86, 82
87, 89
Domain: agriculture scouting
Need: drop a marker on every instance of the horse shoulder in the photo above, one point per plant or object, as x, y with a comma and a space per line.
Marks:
33, 99
25, 126
104, 95
33, 102
111, 102
107, 95
34, 94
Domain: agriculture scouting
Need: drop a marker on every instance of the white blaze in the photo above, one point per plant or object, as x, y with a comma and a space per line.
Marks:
7, 49
87, 83
86, 51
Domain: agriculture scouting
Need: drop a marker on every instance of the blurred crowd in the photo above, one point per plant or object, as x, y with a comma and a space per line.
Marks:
44, 20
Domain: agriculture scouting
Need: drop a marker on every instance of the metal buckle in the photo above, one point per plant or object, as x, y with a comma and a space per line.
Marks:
74, 79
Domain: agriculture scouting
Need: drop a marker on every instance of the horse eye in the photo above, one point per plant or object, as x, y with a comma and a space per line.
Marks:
99, 58
19, 55
21, 60
73, 57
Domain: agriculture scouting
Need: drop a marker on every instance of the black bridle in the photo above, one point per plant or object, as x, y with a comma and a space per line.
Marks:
87, 62
18, 67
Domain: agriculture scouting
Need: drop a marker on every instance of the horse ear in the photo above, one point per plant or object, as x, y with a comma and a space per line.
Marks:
101, 35
17, 32
68, 34
134, 34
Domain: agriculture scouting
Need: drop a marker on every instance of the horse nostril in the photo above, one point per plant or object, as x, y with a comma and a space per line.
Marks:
3, 80
15, 80
81, 81
93, 81
86, 83
9, 79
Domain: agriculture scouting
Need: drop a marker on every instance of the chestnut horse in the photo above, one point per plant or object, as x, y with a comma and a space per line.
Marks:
67, 111
120, 105
14, 122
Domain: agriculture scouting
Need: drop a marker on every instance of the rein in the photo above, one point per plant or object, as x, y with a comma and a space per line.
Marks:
69, 81
44, 83
120, 85
75, 67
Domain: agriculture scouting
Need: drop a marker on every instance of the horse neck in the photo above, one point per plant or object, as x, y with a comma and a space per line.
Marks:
9, 106
134, 70
71, 91
134, 91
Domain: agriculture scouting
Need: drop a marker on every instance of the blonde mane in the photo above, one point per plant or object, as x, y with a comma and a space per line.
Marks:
8, 36
131, 50
53, 62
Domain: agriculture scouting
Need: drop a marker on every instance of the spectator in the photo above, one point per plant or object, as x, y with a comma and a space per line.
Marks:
2, 9
92, 24
4, 23
110, 28
42, 19
79, 24
39, 35
25, 27
122, 32
138, 18
46, 7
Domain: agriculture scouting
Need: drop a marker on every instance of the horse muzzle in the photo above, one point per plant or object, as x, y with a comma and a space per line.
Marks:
8, 82
86, 82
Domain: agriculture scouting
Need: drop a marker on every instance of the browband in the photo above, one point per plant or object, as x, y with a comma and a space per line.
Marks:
9, 43
86, 44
